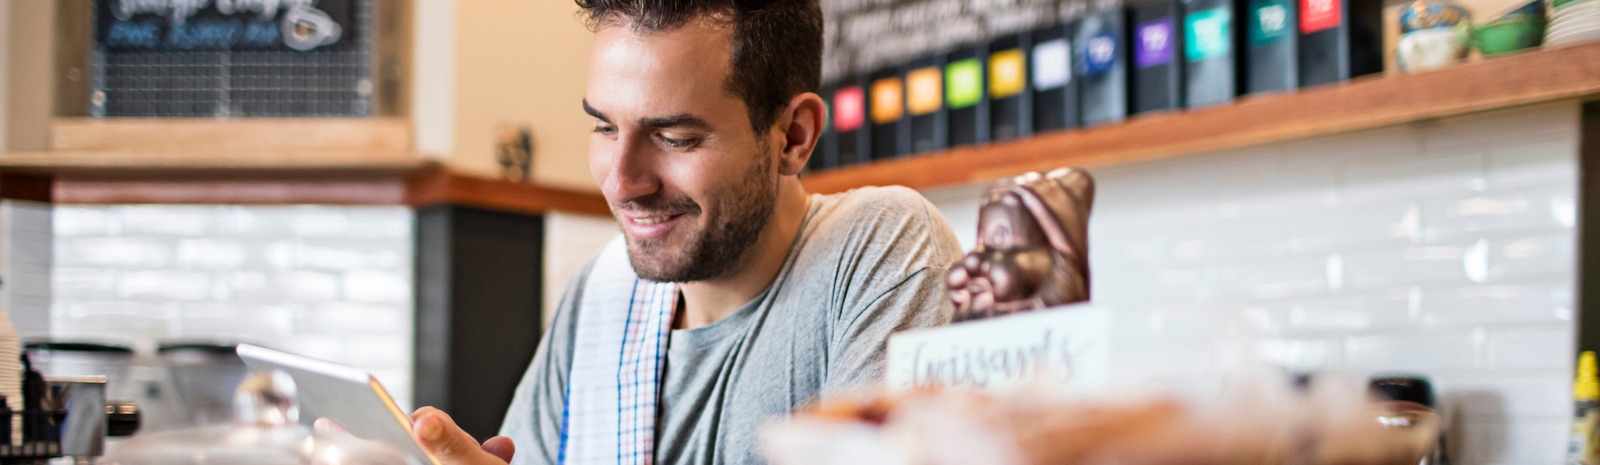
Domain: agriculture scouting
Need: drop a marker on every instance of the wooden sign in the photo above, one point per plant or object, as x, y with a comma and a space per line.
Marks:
1069, 345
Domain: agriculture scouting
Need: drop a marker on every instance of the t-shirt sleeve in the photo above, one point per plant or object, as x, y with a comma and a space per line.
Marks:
894, 281
533, 422
861, 344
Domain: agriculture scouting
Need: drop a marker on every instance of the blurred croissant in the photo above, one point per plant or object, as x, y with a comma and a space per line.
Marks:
1148, 432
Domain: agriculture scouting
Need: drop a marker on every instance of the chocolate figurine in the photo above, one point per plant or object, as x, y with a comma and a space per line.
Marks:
1032, 247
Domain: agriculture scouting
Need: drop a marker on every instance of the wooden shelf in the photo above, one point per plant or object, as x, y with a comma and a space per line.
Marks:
177, 146
438, 186
209, 191
364, 161
1568, 72
425, 185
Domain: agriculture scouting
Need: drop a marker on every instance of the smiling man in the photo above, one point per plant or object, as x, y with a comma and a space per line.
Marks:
732, 296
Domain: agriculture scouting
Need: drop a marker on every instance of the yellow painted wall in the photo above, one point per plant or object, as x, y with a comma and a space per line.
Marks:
522, 62
5, 89
29, 82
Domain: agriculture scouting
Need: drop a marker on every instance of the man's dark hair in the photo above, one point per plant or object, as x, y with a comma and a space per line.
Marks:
776, 52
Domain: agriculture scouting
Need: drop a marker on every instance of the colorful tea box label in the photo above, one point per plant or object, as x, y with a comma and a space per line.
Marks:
924, 91
851, 113
886, 100
1210, 34
1007, 74
1320, 15
1270, 21
965, 78
1153, 43
1052, 64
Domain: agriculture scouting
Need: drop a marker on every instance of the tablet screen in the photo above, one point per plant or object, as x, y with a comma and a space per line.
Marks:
348, 396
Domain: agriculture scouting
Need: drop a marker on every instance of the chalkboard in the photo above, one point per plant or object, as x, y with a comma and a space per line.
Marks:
189, 58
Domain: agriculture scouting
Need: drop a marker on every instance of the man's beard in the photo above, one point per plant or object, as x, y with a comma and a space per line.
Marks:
711, 252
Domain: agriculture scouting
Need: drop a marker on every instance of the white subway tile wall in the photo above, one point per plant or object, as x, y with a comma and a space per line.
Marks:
1445, 248
331, 282
25, 261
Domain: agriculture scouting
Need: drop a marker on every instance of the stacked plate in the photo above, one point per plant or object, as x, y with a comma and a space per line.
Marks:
1573, 21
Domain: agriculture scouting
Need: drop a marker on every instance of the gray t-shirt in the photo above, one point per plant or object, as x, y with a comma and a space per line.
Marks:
866, 263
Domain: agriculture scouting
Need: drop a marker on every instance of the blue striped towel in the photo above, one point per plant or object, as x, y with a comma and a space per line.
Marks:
621, 342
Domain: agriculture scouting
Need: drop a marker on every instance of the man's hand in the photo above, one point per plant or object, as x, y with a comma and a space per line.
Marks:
440, 437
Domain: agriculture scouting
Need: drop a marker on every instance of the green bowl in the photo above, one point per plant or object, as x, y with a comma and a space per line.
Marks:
1506, 36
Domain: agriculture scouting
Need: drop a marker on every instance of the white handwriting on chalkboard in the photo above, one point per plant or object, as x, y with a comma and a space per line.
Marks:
981, 366
265, 8
145, 34
178, 11
175, 10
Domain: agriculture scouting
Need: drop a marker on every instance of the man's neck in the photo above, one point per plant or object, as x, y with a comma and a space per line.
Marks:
705, 302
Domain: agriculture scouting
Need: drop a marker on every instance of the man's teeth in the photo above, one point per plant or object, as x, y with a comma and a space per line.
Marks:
651, 220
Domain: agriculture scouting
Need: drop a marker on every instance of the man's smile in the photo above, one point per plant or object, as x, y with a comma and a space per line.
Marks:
649, 225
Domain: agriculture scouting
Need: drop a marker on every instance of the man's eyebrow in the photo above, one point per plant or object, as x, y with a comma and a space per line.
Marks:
593, 112
680, 120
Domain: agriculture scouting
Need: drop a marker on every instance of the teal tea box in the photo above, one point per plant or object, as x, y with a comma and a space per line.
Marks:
1210, 63
1271, 47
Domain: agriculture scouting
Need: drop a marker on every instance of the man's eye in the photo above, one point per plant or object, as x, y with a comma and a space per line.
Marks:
604, 129
677, 143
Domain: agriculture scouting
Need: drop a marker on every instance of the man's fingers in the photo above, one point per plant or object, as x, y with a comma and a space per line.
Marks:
500, 446
439, 435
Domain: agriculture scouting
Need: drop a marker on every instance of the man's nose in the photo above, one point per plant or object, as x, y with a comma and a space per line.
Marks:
631, 174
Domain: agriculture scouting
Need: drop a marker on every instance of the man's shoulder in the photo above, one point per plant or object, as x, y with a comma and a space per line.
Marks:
878, 204
891, 195
885, 222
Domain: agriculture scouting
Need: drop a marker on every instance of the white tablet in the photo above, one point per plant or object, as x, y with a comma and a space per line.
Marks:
350, 397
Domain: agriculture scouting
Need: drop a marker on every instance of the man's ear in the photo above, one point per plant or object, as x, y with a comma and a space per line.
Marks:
803, 119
